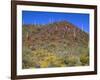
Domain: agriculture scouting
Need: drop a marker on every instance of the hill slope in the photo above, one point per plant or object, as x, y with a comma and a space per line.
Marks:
62, 41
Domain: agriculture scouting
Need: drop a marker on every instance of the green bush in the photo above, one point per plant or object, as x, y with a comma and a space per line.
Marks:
71, 60
84, 59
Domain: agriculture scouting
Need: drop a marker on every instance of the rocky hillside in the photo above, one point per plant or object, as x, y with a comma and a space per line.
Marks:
62, 40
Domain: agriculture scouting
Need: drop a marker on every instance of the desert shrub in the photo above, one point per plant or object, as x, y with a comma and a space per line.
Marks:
52, 45
44, 63
27, 58
81, 49
58, 62
49, 59
84, 59
41, 55
28, 62
41, 58
71, 60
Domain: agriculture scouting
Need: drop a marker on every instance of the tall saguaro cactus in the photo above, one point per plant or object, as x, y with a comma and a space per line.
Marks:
82, 27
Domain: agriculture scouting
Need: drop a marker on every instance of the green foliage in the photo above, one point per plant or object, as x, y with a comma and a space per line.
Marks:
48, 59
27, 61
84, 59
42, 58
71, 60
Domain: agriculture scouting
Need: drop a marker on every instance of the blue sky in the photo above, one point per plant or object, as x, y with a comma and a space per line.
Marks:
36, 17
